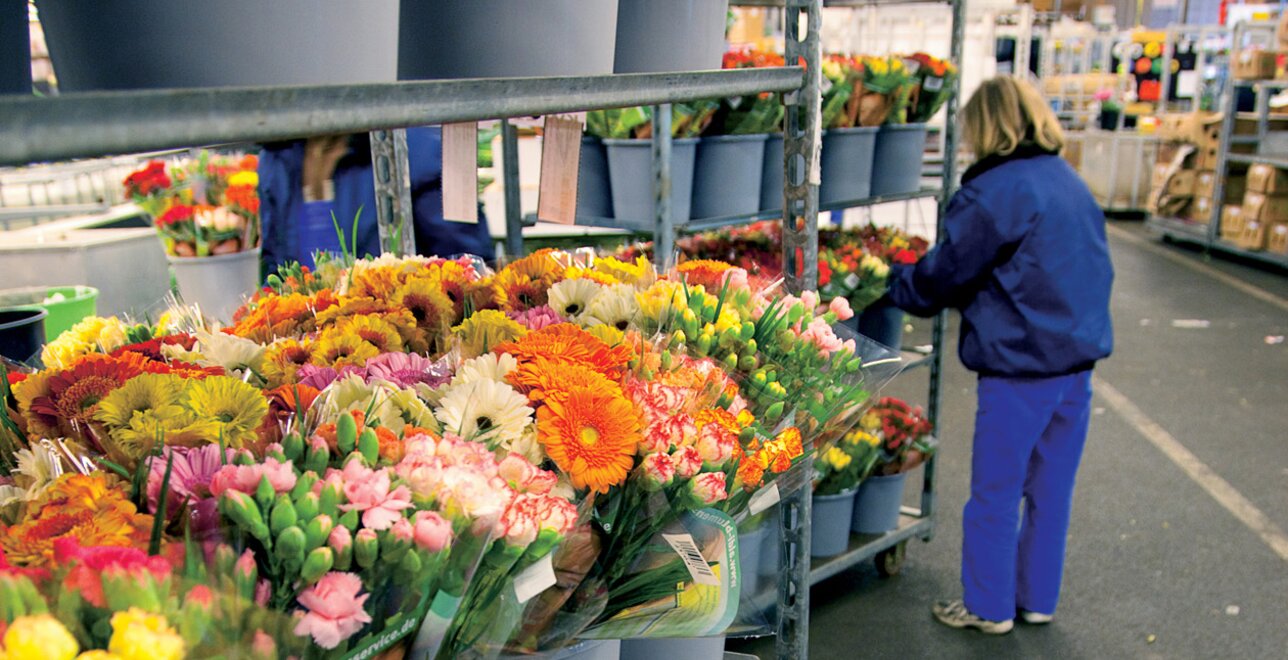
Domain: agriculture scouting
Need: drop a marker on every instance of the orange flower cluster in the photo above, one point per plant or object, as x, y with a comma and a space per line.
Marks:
775, 456
93, 509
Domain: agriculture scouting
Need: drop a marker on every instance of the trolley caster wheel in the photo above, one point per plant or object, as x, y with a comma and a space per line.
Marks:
890, 561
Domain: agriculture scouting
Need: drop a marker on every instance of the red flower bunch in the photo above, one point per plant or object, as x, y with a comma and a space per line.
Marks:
243, 198
750, 58
176, 214
147, 181
901, 424
151, 349
935, 65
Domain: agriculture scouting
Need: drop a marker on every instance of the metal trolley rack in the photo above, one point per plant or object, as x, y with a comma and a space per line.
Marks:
110, 123
1208, 234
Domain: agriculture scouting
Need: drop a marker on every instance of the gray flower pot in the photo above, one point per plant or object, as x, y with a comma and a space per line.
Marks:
876, 507
727, 174
218, 284
900, 150
630, 169
847, 164
670, 35
830, 526
674, 648
771, 176
502, 38
750, 549
594, 194
154, 44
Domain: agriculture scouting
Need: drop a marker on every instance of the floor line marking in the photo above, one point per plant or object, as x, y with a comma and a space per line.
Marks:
1225, 278
1220, 489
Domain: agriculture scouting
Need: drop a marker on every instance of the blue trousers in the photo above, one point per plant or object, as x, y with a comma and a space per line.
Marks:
1029, 434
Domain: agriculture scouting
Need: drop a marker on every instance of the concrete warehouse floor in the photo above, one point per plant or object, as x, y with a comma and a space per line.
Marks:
1161, 564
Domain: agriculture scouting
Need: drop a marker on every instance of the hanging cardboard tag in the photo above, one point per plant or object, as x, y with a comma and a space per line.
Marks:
560, 162
461, 172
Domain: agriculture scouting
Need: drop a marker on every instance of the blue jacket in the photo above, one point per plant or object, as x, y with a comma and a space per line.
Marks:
1025, 259
281, 193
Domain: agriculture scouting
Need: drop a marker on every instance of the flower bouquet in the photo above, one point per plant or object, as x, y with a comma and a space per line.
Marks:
904, 434
886, 91
842, 91
203, 206
746, 115
687, 120
933, 80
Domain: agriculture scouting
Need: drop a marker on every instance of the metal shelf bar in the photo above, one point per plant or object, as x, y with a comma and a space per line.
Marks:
865, 547
108, 123
842, 3
1253, 159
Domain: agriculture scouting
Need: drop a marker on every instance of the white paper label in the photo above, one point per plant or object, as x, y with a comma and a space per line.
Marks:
684, 546
535, 579
933, 84
763, 499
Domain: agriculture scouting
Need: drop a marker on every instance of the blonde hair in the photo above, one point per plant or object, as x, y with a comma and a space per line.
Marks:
1005, 112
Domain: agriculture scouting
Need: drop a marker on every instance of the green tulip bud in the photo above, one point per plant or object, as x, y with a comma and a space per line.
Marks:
774, 412
369, 446
748, 330
283, 514
293, 446
318, 562
730, 361
666, 360
346, 433
748, 362
243, 511
679, 338
318, 530
366, 548
410, 564
303, 485
704, 345
307, 507
316, 457
274, 282
329, 501
290, 547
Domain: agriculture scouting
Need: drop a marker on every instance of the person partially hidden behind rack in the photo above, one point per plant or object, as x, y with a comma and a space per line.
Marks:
1025, 259
303, 183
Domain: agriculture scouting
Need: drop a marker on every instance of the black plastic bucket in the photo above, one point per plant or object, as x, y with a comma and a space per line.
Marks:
22, 332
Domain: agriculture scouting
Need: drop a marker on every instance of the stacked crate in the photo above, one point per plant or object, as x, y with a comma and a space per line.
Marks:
1262, 222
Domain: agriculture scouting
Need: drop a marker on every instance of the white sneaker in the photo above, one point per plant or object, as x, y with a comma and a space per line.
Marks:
953, 613
1035, 618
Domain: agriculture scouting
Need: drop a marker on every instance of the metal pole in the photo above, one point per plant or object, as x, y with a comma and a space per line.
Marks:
948, 183
663, 220
1230, 101
510, 184
393, 192
801, 151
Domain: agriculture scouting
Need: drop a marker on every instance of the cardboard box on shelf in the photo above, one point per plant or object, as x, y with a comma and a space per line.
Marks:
1254, 235
1184, 126
1265, 208
1207, 155
1235, 186
1178, 184
1277, 239
1167, 152
1253, 64
1264, 178
1231, 222
1200, 210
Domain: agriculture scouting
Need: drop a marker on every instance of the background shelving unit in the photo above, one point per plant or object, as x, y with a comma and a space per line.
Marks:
1208, 235
82, 125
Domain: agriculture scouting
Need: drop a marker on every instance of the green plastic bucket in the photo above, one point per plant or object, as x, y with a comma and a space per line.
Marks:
67, 305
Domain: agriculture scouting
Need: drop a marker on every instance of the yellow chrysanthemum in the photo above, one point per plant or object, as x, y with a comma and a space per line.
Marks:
836, 458
141, 635
237, 408
338, 349
375, 331
639, 273
38, 637
91, 335
484, 330
161, 394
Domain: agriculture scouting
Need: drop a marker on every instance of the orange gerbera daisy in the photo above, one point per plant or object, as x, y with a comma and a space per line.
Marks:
92, 508
523, 284
284, 358
482, 294
569, 344
376, 282
542, 378
707, 272
65, 401
428, 302
591, 436
284, 403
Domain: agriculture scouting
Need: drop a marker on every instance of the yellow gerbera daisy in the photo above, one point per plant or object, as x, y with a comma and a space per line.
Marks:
283, 358
639, 273
336, 348
237, 407
484, 330
522, 285
373, 330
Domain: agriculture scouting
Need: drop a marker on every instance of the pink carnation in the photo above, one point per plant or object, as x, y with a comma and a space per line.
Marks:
658, 469
369, 491
246, 478
519, 525
672, 431
709, 487
841, 307
525, 477
334, 609
432, 531
716, 444
537, 318
688, 461
556, 514
820, 334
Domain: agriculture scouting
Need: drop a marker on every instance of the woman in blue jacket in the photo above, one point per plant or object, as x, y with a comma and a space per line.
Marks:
1025, 260
303, 182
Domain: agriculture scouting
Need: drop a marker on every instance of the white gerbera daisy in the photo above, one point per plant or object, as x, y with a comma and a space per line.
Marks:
485, 411
235, 354
571, 298
614, 306
489, 366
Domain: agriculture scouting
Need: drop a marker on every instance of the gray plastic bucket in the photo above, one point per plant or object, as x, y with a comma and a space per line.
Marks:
727, 174
22, 332
218, 284
654, 36
502, 38
630, 169
594, 195
847, 164
750, 548
771, 177
153, 44
876, 508
830, 528
900, 150
674, 648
